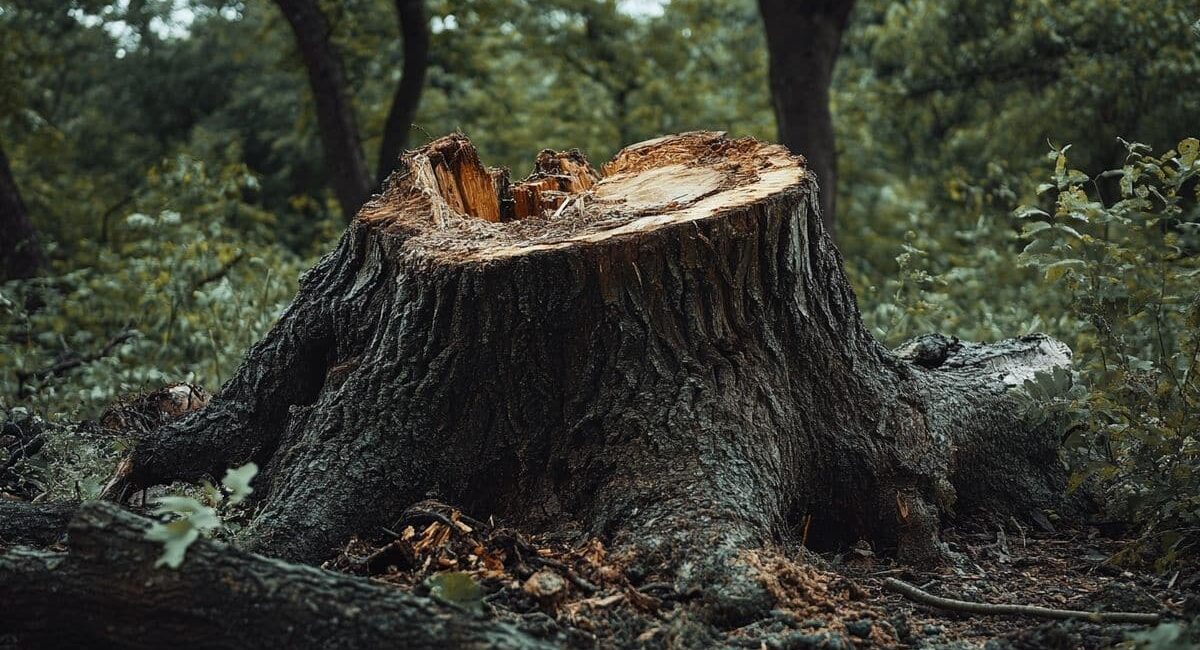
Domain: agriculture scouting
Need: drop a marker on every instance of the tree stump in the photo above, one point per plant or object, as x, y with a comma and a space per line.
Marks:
667, 355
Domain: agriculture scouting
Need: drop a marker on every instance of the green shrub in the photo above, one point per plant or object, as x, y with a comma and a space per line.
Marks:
1125, 248
187, 280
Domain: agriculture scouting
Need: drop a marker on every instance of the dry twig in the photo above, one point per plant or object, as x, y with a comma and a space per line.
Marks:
914, 593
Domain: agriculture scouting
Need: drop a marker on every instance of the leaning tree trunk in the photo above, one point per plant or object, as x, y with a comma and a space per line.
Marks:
669, 356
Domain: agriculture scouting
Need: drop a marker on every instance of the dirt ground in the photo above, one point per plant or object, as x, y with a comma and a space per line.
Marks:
570, 590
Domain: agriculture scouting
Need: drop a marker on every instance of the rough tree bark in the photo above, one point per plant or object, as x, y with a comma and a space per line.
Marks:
34, 524
803, 39
670, 357
20, 253
105, 591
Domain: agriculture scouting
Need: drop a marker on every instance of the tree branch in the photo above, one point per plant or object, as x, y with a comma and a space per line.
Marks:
926, 598
74, 361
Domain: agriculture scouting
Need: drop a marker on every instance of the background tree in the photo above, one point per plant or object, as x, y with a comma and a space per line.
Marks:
20, 253
337, 122
336, 115
414, 30
803, 38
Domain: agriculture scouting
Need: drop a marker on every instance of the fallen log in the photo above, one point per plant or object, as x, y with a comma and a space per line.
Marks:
106, 591
666, 354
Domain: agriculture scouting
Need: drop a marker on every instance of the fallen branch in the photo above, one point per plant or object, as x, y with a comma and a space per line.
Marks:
926, 598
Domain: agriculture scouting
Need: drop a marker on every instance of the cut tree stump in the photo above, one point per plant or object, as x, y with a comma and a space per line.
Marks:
667, 355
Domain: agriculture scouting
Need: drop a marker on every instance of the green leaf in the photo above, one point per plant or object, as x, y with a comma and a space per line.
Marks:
237, 481
1189, 149
195, 513
1040, 245
1028, 211
1055, 271
1034, 227
176, 537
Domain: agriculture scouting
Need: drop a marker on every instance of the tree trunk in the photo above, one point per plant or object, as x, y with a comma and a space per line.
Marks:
106, 592
336, 117
336, 121
20, 253
414, 28
803, 39
670, 357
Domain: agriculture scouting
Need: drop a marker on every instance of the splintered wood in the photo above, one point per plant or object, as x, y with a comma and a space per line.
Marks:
452, 166
556, 176
454, 208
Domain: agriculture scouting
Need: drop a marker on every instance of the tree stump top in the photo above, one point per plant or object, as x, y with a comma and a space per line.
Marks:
452, 208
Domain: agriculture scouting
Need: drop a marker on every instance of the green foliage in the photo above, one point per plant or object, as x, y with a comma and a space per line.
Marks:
190, 518
191, 277
598, 78
237, 481
943, 109
1124, 247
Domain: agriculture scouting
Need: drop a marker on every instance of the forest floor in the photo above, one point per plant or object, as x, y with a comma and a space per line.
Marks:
569, 590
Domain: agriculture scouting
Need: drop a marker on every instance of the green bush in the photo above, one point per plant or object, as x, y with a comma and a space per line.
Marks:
187, 281
1125, 248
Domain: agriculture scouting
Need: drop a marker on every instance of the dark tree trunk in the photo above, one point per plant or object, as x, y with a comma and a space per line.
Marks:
106, 592
20, 253
670, 357
414, 28
336, 121
803, 39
